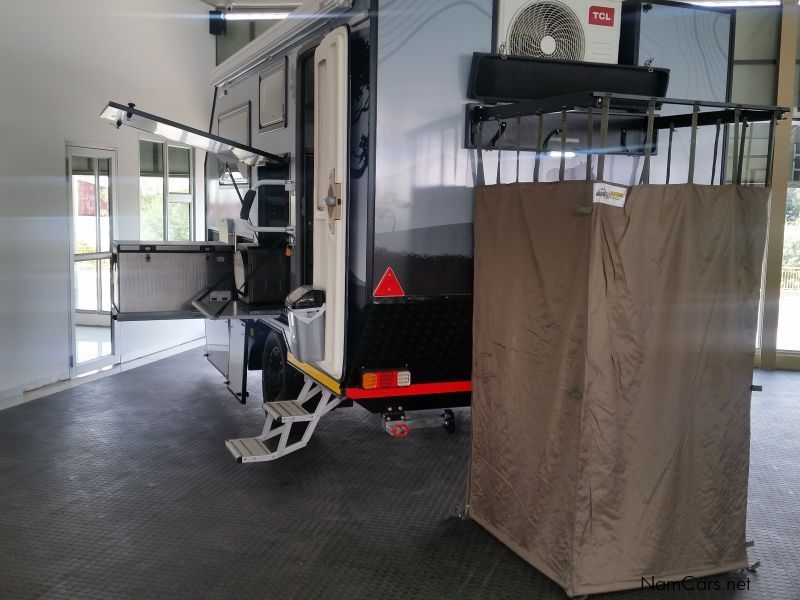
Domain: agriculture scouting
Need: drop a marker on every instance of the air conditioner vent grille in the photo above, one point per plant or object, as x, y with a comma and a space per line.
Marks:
547, 29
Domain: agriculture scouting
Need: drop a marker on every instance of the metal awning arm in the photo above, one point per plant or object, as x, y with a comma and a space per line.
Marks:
532, 107
724, 117
227, 150
627, 102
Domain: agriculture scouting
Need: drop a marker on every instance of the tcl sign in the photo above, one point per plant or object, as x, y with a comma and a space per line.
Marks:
601, 15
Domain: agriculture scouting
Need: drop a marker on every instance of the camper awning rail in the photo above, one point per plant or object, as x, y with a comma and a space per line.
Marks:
726, 112
227, 150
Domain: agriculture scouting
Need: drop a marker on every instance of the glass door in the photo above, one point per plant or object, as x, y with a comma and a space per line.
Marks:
91, 199
789, 312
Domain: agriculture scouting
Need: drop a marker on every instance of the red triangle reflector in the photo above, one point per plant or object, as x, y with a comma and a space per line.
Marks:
389, 287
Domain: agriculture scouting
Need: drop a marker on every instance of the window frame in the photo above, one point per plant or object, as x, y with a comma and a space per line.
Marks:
98, 255
167, 196
279, 66
245, 107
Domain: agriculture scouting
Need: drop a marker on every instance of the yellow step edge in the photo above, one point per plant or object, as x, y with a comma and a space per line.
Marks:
322, 378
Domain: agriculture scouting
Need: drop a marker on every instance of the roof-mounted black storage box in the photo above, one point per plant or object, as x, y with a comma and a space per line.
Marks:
498, 78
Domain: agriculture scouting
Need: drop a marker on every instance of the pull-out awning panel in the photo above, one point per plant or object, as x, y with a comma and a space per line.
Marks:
227, 150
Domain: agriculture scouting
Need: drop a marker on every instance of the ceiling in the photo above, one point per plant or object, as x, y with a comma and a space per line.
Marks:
280, 5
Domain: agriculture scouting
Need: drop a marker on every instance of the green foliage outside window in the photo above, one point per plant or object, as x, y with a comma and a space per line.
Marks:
791, 234
179, 221
153, 164
151, 209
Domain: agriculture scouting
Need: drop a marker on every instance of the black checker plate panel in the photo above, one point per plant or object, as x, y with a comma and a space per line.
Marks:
433, 339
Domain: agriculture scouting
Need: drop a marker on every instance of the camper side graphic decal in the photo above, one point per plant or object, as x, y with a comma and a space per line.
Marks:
606, 193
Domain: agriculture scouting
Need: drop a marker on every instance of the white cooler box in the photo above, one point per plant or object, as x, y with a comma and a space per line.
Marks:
159, 280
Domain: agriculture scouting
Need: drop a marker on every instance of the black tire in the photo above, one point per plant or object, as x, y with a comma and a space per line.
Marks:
279, 380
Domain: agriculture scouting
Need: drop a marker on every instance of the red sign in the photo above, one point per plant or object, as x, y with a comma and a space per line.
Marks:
601, 15
86, 199
389, 287
86, 207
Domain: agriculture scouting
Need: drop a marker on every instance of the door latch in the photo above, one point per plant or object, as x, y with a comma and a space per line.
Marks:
333, 201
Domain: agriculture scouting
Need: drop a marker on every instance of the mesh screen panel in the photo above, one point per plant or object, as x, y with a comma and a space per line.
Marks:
536, 22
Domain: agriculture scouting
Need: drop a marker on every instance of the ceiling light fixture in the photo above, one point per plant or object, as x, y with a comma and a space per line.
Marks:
734, 3
255, 16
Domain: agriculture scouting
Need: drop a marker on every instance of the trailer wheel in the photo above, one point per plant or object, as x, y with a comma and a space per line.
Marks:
279, 380
449, 421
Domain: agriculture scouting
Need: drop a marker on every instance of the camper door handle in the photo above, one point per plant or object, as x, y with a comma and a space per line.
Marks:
333, 201
334, 190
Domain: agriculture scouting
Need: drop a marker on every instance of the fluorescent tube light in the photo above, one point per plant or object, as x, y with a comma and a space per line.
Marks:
255, 16
557, 154
733, 3
310, 16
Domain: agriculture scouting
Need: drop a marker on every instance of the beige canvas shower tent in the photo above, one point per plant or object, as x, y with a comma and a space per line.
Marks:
612, 369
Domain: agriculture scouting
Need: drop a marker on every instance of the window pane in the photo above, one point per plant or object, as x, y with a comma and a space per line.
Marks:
235, 125
179, 221
151, 158
86, 285
151, 208
82, 165
105, 285
237, 36
757, 32
104, 169
789, 315
272, 98
261, 26
753, 83
225, 177
179, 170
84, 204
754, 158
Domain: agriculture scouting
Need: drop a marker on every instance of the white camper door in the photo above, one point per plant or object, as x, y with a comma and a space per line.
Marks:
331, 91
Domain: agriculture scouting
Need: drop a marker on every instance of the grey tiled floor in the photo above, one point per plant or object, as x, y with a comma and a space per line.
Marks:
122, 488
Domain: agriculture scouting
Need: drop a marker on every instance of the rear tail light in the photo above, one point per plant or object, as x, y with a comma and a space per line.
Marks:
369, 381
376, 380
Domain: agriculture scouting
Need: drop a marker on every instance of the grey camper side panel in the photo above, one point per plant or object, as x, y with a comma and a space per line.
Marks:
424, 176
223, 203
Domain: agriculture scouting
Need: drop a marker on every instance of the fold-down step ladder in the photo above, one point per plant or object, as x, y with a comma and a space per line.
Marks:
280, 418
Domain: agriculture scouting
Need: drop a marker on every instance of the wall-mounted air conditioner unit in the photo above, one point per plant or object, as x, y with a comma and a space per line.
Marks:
583, 30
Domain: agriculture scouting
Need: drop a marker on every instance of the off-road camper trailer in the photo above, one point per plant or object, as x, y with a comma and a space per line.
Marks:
339, 160
393, 253
365, 187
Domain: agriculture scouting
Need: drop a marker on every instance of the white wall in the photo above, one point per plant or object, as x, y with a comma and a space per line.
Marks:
61, 62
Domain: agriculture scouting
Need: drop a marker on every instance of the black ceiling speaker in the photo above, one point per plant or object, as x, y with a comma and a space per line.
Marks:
216, 23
